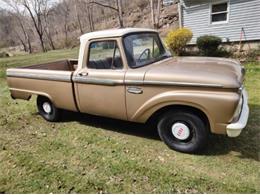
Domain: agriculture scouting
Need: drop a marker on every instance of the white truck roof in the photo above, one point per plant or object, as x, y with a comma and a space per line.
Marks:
113, 33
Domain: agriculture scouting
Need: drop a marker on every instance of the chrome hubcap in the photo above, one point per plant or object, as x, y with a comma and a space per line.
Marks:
46, 107
180, 131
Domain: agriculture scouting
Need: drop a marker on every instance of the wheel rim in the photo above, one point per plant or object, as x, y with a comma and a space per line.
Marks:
46, 107
181, 131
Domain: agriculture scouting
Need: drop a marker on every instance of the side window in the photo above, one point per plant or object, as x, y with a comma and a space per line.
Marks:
219, 12
104, 55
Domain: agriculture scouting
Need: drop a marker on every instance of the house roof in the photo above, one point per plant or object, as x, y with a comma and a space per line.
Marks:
113, 33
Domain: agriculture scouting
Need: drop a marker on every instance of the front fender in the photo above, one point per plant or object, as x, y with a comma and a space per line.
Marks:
218, 106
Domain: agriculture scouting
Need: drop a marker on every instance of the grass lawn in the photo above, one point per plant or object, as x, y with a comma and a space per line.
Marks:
87, 154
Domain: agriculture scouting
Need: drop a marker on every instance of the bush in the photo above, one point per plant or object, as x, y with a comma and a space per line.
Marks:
4, 54
176, 40
208, 45
253, 55
142, 4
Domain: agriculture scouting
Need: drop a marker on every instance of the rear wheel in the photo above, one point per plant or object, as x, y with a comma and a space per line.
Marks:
47, 109
183, 131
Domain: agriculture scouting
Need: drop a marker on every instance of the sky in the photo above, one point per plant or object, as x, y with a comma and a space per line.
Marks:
3, 5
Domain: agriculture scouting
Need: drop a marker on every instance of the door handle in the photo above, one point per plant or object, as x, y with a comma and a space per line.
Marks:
83, 74
134, 90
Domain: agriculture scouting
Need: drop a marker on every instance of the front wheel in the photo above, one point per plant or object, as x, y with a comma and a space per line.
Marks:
183, 131
47, 109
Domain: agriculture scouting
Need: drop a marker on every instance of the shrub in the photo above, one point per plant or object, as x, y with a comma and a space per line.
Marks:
223, 52
4, 54
253, 55
208, 45
176, 40
142, 4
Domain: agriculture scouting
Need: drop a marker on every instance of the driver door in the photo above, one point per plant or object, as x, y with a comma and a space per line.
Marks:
100, 85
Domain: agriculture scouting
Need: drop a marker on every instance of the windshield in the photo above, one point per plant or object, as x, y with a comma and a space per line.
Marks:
143, 49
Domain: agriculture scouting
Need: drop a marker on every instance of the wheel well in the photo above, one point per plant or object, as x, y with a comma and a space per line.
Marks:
155, 116
41, 96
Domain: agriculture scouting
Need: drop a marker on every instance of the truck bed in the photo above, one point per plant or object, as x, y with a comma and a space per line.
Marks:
63, 65
52, 80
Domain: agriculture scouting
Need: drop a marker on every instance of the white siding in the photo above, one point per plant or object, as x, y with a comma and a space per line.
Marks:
242, 14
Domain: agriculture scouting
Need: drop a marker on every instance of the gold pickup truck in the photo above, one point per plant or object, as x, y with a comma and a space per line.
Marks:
128, 74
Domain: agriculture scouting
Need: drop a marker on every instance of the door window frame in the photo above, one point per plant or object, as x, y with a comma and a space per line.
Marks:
87, 54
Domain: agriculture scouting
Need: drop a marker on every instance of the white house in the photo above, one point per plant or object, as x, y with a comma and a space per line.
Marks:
232, 20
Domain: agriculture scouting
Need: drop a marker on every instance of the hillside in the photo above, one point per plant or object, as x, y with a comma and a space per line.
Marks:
65, 23
142, 18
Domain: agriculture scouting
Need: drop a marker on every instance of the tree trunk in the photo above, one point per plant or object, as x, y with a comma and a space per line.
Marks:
24, 45
120, 13
78, 17
24, 33
90, 18
66, 34
158, 14
152, 12
49, 37
48, 32
37, 22
42, 43
29, 44
80, 25
51, 41
22, 42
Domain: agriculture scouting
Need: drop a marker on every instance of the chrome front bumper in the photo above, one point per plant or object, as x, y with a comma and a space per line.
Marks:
234, 129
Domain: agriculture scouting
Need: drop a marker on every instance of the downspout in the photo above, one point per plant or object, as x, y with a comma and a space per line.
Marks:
180, 13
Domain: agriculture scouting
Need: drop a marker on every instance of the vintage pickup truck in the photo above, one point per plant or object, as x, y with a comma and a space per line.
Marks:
128, 74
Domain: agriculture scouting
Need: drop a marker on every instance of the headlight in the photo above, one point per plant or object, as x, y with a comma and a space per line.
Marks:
238, 109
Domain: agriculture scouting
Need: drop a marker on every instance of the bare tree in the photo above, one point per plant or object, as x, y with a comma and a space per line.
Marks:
152, 12
49, 29
37, 9
120, 13
155, 18
117, 8
64, 12
19, 19
158, 14
90, 15
77, 4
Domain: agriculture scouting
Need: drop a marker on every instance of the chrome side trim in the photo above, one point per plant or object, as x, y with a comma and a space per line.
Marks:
39, 76
113, 82
132, 82
182, 84
98, 81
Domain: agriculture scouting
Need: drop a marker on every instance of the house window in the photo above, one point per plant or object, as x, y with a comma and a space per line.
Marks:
219, 12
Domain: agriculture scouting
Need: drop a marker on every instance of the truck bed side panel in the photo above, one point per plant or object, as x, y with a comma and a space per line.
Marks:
57, 86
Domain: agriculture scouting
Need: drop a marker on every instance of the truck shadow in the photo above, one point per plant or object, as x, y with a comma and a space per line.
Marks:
244, 146
125, 127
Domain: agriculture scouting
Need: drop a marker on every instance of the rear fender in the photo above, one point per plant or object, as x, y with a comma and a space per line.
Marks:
27, 94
